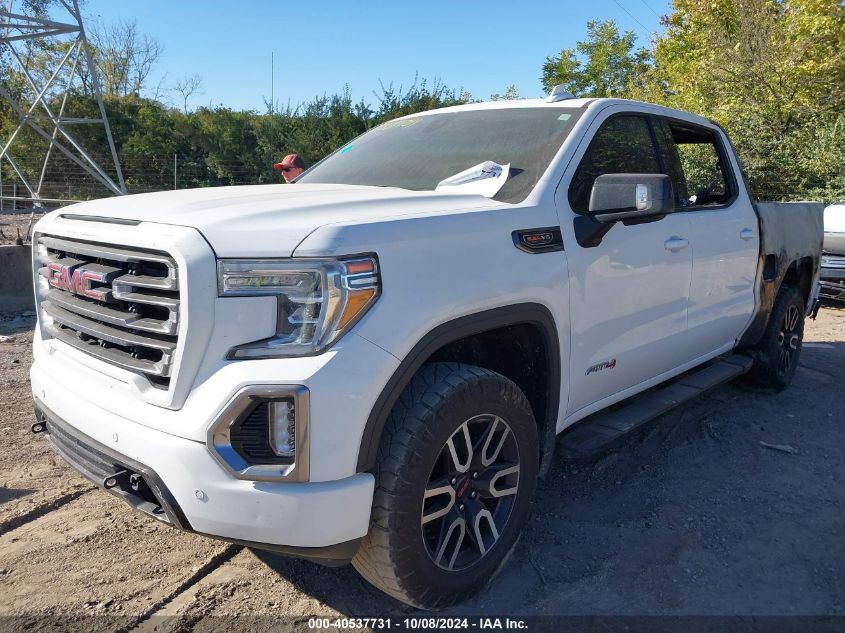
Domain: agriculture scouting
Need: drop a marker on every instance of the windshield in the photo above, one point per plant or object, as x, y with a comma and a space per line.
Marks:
419, 152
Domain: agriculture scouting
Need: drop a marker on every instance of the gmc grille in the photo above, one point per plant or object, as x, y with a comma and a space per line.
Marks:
120, 305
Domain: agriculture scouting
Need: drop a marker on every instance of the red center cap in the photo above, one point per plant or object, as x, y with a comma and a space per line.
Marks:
463, 487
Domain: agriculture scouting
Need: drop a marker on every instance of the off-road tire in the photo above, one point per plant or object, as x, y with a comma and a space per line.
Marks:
436, 404
777, 353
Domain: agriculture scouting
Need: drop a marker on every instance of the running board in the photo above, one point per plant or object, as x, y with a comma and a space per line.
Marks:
601, 430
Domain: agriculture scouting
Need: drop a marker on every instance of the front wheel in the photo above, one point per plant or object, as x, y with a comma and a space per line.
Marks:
777, 353
456, 470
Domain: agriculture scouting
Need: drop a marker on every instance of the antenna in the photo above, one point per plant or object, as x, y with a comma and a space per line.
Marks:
559, 93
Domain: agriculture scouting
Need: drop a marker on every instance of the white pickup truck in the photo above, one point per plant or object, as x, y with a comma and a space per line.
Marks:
375, 363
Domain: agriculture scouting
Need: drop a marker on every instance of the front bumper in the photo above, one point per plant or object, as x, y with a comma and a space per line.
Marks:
135, 483
185, 486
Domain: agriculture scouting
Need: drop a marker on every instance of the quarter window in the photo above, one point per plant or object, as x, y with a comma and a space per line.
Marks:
622, 145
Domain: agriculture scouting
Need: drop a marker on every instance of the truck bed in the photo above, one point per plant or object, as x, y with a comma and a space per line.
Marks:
791, 243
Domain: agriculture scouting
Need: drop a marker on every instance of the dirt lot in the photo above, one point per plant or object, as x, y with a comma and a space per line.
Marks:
11, 225
693, 516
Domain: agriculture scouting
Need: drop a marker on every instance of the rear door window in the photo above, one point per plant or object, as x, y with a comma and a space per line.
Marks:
698, 163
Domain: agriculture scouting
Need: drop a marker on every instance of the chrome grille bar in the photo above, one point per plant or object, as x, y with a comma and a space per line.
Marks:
124, 291
102, 251
113, 316
111, 356
105, 332
145, 281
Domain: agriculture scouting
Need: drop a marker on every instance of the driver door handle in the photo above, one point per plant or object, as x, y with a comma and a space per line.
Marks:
746, 234
675, 244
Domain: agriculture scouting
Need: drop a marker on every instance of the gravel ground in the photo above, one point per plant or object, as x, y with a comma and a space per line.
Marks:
11, 224
693, 515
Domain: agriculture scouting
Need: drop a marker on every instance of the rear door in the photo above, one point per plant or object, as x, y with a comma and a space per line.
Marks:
629, 293
723, 230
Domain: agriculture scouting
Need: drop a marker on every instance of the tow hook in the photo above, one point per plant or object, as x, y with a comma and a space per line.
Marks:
119, 479
136, 482
40, 424
125, 480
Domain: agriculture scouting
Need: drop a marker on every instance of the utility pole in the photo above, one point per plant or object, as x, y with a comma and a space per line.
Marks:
272, 85
174, 172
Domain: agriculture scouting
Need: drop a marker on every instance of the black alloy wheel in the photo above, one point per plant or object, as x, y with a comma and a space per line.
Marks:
789, 340
470, 492
777, 353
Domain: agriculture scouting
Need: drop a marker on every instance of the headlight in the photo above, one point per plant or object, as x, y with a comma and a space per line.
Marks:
318, 299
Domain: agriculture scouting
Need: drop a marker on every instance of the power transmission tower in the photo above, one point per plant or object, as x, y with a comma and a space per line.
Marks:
35, 106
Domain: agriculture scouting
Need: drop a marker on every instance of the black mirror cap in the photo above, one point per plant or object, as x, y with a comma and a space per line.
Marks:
616, 196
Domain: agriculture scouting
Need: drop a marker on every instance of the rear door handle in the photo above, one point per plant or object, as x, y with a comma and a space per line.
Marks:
746, 234
675, 244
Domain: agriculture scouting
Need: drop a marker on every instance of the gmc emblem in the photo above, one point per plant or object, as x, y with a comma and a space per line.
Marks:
77, 280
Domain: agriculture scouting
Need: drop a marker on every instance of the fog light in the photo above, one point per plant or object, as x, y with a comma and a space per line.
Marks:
282, 422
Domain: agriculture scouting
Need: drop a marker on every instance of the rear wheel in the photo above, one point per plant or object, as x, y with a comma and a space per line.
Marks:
456, 470
779, 350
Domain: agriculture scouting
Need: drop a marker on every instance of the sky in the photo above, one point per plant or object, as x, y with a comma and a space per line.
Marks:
318, 47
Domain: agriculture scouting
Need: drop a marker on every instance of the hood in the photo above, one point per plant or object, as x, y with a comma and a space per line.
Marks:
271, 220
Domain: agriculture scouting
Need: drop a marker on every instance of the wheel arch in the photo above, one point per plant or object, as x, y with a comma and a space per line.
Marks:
774, 272
460, 339
800, 274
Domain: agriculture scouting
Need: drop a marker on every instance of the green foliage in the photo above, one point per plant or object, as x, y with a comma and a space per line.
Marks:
603, 65
418, 98
701, 168
771, 72
510, 94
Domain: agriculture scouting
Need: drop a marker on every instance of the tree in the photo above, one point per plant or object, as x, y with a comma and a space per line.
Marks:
124, 57
510, 94
418, 98
771, 72
187, 87
604, 65
777, 57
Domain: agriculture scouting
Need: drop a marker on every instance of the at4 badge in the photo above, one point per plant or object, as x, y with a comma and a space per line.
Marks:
608, 364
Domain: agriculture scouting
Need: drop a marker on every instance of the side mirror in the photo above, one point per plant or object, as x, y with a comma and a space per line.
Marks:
631, 196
